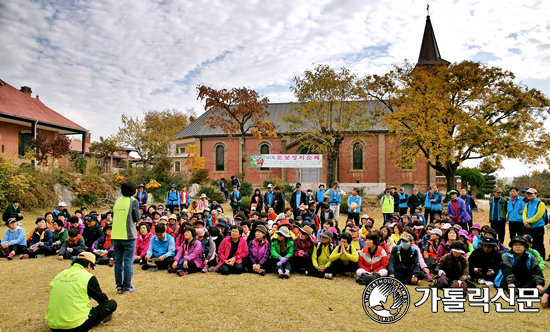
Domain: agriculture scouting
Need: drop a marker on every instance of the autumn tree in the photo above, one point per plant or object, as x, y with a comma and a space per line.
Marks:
151, 136
238, 111
105, 147
45, 148
328, 109
465, 111
194, 160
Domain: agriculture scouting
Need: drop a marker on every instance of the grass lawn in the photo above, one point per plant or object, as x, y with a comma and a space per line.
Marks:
246, 302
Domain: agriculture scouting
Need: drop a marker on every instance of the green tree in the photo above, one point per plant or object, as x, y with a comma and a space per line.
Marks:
465, 111
105, 147
488, 169
471, 176
328, 109
237, 111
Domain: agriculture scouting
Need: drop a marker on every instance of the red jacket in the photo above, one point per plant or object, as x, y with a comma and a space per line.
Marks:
225, 249
375, 263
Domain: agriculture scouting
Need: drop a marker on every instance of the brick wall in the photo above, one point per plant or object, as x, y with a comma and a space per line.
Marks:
9, 138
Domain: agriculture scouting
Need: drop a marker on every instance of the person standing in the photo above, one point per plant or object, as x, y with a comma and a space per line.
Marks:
436, 200
70, 293
297, 199
142, 196
235, 182
354, 206
403, 200
386, 203
428, 206
235, 200
278, 201
414, 201
456, 210
497, 213
533, 220
335, 195
125, 217
185, 199
320, 198
268, 197
223, 189
470, 204
395, 196
173, 198
515, 208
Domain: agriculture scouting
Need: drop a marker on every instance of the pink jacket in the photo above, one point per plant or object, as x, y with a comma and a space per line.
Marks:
420, 258
225, 249
190, 253
142, 244
203, 205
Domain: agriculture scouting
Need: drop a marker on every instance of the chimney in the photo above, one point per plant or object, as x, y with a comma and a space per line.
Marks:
26, 90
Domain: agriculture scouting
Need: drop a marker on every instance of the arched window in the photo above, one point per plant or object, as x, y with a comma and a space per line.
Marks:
220, 158
264, 149
357, 156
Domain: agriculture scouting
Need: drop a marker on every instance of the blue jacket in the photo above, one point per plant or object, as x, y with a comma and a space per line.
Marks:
403, 198
47, 237
235, 195
437, 199
165, 248
16, 237
334, 198
469, 203
320, 195
427, 204
532, 209
515, 209
173, 198
357, 200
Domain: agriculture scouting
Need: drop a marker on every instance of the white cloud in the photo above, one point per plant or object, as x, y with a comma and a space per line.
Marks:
95, 60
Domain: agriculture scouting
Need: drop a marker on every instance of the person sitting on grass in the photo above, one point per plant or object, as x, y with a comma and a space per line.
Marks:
222, 226
386, 241
92, 232
534, 252
430, 249
485, 262
189, 258
356, 241
453, 268
208, 248
14, 240
74, 222
60, 234
172, 227
142, 242
231, 252
282, 250
160, 254
258, 252
397, 233
217, 238
105, 243
373, 259
423, 266
404, 264
475, 233
320, 258
13, 210
72, 246
464, 236
451, 235
519, 268
303, 249
108, 219
326, 225
70, 293
49, 220
344, 257
41, 241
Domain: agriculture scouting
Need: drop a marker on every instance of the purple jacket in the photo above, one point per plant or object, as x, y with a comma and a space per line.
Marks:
258, 252
463, 214
80, 227
191, 252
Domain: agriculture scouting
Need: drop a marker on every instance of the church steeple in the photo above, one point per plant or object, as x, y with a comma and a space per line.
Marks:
429, 52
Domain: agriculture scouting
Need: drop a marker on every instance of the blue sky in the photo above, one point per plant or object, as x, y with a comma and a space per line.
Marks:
93, 61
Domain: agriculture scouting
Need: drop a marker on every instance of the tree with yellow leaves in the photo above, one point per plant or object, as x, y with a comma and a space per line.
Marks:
238, 111
194, 160
465, 111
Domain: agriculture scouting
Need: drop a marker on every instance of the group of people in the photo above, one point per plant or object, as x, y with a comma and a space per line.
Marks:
304, 237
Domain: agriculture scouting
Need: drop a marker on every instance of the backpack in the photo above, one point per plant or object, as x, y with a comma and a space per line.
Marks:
366, 278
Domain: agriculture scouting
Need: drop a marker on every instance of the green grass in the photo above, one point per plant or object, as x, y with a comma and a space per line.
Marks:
165, 302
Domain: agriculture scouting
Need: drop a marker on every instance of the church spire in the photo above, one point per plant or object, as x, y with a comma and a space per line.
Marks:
429, 52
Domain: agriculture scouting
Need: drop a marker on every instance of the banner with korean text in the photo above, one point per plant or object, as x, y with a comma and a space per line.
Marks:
286, 160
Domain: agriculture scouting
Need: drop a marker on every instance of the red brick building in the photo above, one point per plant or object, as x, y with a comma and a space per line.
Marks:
23, 117
363, 162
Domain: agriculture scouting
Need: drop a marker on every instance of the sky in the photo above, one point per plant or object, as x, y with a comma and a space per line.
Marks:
94, 60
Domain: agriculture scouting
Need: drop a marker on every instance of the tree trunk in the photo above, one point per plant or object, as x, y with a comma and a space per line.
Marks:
450, 175
332, 158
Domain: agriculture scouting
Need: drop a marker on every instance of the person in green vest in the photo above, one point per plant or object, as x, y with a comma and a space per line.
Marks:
387, 205
125, 217
70, 293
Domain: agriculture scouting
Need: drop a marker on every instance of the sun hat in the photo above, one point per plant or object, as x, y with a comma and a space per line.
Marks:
453, 191
261, 228
519, 239
446, 226
270, 185
284, 232
354, 229
306, 230
200, 232
475, 226
62, 204
458, 246
464, 233
436, 231
88, 256
141, 185
407, 237
221, 223
327, 234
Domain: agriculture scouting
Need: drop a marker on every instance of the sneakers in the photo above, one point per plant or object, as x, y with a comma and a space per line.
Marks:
262, 272
281, 274
24, 256
489, 284
182, 273
481, 281
307, 273
287, 274
171, 270
153, 269
328, 276
108, 319
119, 290
10, 256
111, 262
40, 256
130, 291
205, 269
428, 278
212, 269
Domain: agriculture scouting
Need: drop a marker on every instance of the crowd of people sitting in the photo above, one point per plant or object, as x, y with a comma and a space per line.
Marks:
199, 236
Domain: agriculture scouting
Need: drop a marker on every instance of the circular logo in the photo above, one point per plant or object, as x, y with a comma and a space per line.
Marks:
386, 300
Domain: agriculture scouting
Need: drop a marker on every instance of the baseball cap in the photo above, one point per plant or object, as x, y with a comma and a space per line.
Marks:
89, 257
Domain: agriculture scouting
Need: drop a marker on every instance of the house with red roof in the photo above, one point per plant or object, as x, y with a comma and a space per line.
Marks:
23, 117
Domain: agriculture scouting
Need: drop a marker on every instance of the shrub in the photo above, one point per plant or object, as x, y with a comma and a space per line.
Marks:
286, 187
245, 203
215, 183
199, 176
212, 193
246, 189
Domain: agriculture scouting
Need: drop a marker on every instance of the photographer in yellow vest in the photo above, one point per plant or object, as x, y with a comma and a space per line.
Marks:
70, 293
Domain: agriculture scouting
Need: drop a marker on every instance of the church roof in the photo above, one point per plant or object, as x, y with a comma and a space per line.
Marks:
429, 52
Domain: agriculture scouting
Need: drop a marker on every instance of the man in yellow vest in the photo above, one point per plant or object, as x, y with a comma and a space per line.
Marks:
70, 293
125, 217
387, 205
